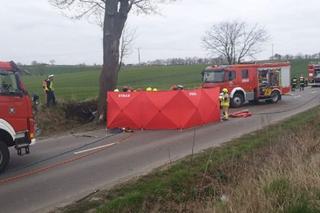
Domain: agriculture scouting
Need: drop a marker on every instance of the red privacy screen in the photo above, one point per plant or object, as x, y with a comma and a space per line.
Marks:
163, 110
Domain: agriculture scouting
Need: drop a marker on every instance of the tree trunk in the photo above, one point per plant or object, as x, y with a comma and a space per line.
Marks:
114, 21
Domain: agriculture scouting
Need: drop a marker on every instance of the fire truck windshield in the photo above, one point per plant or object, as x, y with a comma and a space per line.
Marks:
8, 83
213, 76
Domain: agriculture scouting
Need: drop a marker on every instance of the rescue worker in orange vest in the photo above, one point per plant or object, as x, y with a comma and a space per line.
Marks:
301, 83
225, 103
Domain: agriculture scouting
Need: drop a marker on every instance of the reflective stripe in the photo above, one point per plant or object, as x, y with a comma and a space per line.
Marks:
51, 86
301, 81
20, 135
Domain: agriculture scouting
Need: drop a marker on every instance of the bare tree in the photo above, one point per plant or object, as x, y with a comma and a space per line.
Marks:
234, 40
112, 15
126, 42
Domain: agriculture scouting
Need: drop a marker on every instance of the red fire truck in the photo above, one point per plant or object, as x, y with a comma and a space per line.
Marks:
250, 82
17, 126
314, 75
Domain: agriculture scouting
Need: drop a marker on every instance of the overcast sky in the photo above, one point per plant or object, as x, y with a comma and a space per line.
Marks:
34, 30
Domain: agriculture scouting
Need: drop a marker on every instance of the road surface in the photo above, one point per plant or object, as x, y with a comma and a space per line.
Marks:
63, 169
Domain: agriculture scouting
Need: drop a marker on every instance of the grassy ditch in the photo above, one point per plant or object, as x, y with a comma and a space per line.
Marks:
276, 169
67, 116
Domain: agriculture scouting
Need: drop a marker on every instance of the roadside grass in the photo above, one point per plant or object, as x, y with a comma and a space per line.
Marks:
286, 180
69, 116
275, 169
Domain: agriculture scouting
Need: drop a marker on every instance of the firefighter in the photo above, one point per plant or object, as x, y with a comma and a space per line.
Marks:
294, 83
49, 90
225, 103
301, 83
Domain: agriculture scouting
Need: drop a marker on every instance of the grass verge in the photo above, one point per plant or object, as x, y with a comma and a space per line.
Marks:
67, 116
272, 170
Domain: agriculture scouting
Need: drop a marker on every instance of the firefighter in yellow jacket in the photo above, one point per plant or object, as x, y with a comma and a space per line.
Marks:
225, 103
49, 90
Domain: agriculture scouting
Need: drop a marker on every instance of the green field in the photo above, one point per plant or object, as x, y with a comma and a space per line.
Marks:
81, 82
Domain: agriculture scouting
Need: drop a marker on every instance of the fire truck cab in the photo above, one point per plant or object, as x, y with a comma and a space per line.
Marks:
314, 75
17, 125
250, 82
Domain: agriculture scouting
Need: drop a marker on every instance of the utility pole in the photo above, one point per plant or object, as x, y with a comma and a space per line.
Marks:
139, 57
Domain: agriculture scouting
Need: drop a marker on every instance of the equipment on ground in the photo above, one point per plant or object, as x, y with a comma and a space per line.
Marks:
17, 125
241, 114
250, 82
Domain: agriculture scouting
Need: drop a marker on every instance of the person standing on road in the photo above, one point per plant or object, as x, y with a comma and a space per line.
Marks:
294, 83
301, 83
225, 103
49, 90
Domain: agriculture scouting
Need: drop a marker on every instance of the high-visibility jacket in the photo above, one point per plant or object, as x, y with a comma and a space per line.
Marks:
47, 85
224, 100
294, 81
301, 81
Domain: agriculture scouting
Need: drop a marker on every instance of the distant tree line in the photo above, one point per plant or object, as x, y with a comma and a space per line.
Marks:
184, 61
176, 61
300, 56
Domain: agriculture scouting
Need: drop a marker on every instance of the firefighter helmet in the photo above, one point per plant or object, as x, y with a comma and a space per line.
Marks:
149, 89
225, 90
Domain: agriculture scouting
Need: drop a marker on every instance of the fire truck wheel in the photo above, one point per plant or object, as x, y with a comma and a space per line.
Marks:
4, 156
275, 96
237, 100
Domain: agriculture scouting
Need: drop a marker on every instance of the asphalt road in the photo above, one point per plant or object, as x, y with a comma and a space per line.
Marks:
63, 169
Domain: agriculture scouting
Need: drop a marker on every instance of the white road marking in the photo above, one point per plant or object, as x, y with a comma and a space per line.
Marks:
313, 92
94, 148
297, 96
